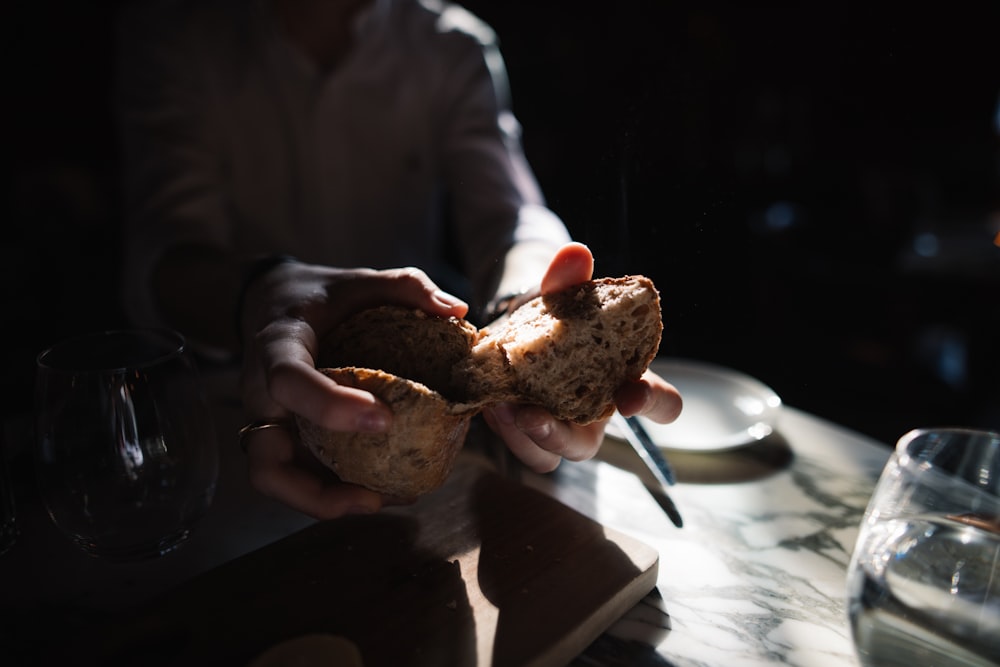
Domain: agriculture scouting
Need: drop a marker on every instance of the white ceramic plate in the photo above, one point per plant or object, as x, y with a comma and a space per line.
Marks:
723, 408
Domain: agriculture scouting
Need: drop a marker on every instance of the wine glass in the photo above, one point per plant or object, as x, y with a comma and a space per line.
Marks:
924, 579
126, 458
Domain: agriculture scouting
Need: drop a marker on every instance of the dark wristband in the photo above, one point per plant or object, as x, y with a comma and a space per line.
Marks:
253, 271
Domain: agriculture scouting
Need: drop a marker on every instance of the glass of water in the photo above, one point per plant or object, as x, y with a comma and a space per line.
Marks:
924, 579
126, 458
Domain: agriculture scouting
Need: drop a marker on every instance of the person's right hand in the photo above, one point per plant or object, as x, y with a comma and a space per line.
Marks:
540, 440
286, 313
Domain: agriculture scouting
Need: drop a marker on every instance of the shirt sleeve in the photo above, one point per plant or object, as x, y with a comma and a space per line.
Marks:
170, 165
495, 196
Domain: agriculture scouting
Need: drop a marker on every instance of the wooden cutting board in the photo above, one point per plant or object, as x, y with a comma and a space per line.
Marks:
482, 572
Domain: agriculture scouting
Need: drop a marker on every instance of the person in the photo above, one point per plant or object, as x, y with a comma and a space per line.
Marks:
288, 163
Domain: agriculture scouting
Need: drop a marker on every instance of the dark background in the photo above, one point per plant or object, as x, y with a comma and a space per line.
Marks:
812, 186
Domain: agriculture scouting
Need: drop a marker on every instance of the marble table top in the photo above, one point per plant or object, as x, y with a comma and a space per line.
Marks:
757, 574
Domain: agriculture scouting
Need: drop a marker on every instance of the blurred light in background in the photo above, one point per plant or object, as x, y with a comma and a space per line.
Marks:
926, 244
943, 350
780, 216
996, 117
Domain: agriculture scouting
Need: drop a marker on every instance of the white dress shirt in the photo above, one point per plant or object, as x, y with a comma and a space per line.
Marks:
233, 138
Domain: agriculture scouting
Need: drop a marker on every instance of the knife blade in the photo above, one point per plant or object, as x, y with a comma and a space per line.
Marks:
636, 436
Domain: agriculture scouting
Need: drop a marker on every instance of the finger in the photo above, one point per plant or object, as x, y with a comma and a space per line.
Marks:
572, 265
292, 382
565, 439
275, 472
650, 396
300, 388
284, 342
501, 418
404, 287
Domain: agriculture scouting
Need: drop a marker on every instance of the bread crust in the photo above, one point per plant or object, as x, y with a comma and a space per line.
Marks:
568, 352
413, 457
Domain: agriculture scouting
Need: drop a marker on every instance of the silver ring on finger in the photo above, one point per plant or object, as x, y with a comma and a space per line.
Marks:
262, 425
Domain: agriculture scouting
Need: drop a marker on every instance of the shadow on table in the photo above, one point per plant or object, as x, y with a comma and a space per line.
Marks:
362, 578
556, 578
753, 462
632, 640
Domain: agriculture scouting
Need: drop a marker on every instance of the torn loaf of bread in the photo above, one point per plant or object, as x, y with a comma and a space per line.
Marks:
567, 352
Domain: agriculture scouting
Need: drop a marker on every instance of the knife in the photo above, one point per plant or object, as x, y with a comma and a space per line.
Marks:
636, 436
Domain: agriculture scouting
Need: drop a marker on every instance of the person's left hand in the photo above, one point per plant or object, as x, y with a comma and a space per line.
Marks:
287, 312
540, 440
